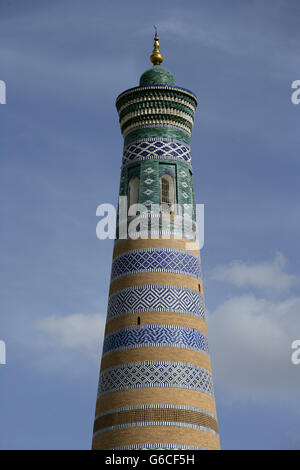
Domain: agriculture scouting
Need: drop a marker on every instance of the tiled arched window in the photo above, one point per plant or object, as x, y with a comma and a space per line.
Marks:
133, 190
167, 192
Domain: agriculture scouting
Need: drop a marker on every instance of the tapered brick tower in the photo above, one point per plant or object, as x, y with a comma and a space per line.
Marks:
155, 388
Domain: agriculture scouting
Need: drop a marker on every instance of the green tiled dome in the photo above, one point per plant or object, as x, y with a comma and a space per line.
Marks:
157, 75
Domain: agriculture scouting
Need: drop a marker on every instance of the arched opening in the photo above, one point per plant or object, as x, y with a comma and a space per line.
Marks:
139, 320
133, 190
167, 193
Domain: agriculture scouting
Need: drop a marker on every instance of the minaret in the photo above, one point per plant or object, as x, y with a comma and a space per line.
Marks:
155, 387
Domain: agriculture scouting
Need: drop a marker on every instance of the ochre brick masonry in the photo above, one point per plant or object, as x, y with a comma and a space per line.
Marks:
158, 278
155, 318
172, 415
154, 434
144, 396
156, 354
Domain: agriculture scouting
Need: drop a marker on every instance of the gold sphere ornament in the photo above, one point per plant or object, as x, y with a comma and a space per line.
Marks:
156, 57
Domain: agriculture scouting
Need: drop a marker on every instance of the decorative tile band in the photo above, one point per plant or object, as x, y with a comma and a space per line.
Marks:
151, 140
157, 133
157, 446
159, 123
154, 423
174, 232
163, 100
156, 260
158, 414
155, 374
155, 107
153, 90
157, 114
155, 406
142, 336
156, 149
152, 298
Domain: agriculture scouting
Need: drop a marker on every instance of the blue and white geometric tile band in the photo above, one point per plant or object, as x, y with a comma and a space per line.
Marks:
155, 374
155, 336
152, 149
155, 298
156, 260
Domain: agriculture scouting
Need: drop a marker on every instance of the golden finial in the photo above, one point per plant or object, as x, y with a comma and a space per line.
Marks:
156, 57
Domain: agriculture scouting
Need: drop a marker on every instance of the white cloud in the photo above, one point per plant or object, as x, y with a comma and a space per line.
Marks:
80, 332
268, 276
250, 341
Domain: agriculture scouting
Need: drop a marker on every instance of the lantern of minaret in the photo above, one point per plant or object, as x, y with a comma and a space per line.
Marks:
155, 388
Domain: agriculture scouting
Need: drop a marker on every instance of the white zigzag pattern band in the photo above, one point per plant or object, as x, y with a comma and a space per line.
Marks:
156, 260
155, 298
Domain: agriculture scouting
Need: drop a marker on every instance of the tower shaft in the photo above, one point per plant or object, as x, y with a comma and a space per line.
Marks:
155, 387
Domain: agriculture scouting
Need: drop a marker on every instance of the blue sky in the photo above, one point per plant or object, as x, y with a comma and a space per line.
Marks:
64, 62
